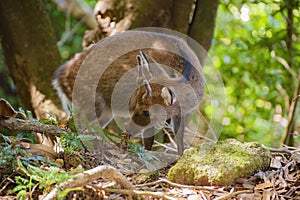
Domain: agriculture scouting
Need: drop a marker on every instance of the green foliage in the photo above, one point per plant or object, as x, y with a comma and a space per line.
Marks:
52, 120
64, 193
13, 156
23, 185
144, 156
28, 114
68, 30
45, 178
73, 142
35, 170
9, 151
258, 87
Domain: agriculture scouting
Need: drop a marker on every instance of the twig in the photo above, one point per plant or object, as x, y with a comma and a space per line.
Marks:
33, 189
284, 94
208, 188
91, 175
232, 194
278, 150
6, 184
160, 195
296, 98
284, 63
287, 137
165, 146
71, 32
202, 195
16, 124
168, 126
198, 135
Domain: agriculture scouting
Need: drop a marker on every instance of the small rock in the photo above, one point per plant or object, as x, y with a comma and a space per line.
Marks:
219, 163
145, 176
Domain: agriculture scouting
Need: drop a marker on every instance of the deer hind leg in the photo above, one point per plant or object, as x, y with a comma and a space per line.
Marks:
103, 111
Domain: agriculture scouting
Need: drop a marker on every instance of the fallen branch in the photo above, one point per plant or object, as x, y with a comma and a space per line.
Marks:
278, 150
160, 195
208, 188
91, 175
15, 124
232, 194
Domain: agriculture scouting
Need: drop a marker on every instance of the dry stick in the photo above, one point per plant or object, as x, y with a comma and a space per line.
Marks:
160, 195
287, 134
16, 124
232, 194
284, 64
208, 188
6, 184
91, 175
203, 195
278, 150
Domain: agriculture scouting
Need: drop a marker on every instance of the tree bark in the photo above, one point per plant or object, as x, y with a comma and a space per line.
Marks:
196, 19
181, 15
203, 23
31, 53
288, 138
120, 15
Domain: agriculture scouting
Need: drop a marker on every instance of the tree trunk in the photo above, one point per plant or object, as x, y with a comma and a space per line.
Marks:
203, 23
31, 53
196, 19
181, 15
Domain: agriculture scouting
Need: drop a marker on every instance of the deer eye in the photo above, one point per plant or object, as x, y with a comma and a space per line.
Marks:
146, 113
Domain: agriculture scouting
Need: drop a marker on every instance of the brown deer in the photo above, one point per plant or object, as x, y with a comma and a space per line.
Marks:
166, 75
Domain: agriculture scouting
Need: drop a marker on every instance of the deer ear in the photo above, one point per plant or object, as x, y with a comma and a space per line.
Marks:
166, 95
148, 89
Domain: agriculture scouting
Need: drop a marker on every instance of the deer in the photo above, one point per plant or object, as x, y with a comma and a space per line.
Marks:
166, 73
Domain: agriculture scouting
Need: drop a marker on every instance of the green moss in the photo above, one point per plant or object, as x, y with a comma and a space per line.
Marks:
219, 163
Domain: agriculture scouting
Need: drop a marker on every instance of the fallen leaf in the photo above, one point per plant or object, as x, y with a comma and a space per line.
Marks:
267, 195
248, 186
40, 149
263, 186
281, 191
275, 163
6, 109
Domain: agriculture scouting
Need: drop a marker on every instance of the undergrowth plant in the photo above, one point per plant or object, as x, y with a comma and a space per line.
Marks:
43, 178
9, 151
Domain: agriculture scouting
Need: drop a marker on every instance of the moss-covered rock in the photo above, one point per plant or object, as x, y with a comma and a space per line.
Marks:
219, 163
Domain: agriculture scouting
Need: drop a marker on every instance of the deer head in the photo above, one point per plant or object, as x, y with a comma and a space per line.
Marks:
149, 102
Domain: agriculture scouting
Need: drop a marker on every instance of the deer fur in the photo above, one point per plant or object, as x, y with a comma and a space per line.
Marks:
163, 93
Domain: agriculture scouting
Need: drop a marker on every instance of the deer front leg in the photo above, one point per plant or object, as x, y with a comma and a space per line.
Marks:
179, 125
148, 138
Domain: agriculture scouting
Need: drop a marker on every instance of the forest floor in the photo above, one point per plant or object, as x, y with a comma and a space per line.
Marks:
36, 171
280, 181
